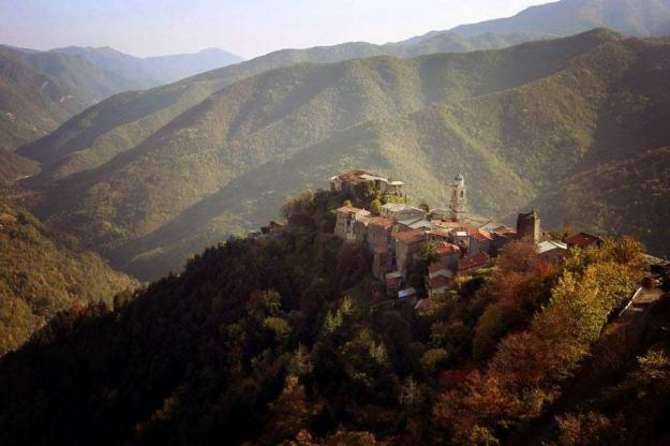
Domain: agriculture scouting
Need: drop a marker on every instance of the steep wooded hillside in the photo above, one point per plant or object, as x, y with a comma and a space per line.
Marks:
42, 273
284, 340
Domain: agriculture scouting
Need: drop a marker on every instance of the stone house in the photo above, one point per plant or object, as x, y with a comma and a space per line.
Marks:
348, 182
473, 263
382, 262
407, 244
346, 226
379, 232
401, 212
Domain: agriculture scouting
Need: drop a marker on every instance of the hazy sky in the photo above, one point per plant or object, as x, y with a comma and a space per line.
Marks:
246, 27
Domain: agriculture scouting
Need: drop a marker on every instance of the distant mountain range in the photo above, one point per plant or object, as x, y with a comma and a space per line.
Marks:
39, 90
640, 18
153, 71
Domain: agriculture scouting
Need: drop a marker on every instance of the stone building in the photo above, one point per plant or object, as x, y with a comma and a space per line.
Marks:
528, 227
402, 212
458, 198
348, 181
407, 244
348, 224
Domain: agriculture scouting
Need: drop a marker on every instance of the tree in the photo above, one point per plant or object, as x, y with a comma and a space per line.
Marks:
376, 207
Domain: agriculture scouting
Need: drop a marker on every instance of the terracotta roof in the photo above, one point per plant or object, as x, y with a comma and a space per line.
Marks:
352, 210
381, 222
473, 262
354, 175
583, 240
480, 235
437, 232
444, 248
448, 224
411, 236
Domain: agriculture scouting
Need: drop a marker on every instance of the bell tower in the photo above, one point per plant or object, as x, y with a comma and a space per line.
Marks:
458, 198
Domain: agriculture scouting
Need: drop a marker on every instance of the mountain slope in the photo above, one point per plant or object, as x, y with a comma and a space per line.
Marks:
275, 116
624, 195
106, 130
42, 273
41, 90
642, 18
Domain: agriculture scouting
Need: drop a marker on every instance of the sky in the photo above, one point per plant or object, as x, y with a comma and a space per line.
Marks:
248, 28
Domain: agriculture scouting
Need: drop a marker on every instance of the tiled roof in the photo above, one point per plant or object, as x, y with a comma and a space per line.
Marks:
352, 210
414, 235
550, 245
444, 248
381, 222
480, 235
474, 261
438, 232
583, 240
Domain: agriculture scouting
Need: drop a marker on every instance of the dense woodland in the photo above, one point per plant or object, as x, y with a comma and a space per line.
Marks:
42, 273
281, 339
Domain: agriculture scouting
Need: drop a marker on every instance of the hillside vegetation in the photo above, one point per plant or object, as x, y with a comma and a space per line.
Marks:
41, 90
123, 122
281, 340
42, 273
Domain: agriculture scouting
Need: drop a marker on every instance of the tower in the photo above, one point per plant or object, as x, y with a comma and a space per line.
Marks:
528, 227
458, 199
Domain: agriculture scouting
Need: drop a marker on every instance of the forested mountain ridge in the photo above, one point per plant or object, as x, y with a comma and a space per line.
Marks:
281, 339
43, 273
640, 18
41, 90
106, 130
515, 121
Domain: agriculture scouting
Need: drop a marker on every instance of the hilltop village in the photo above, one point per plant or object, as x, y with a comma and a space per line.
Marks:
458, 243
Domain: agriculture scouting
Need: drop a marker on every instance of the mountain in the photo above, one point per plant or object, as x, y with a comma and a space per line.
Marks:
622, 195
122, 122
153, 71
42, 273
515, 121
39, 91
641, 18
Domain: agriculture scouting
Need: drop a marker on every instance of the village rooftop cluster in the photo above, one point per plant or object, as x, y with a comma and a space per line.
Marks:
463, 244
